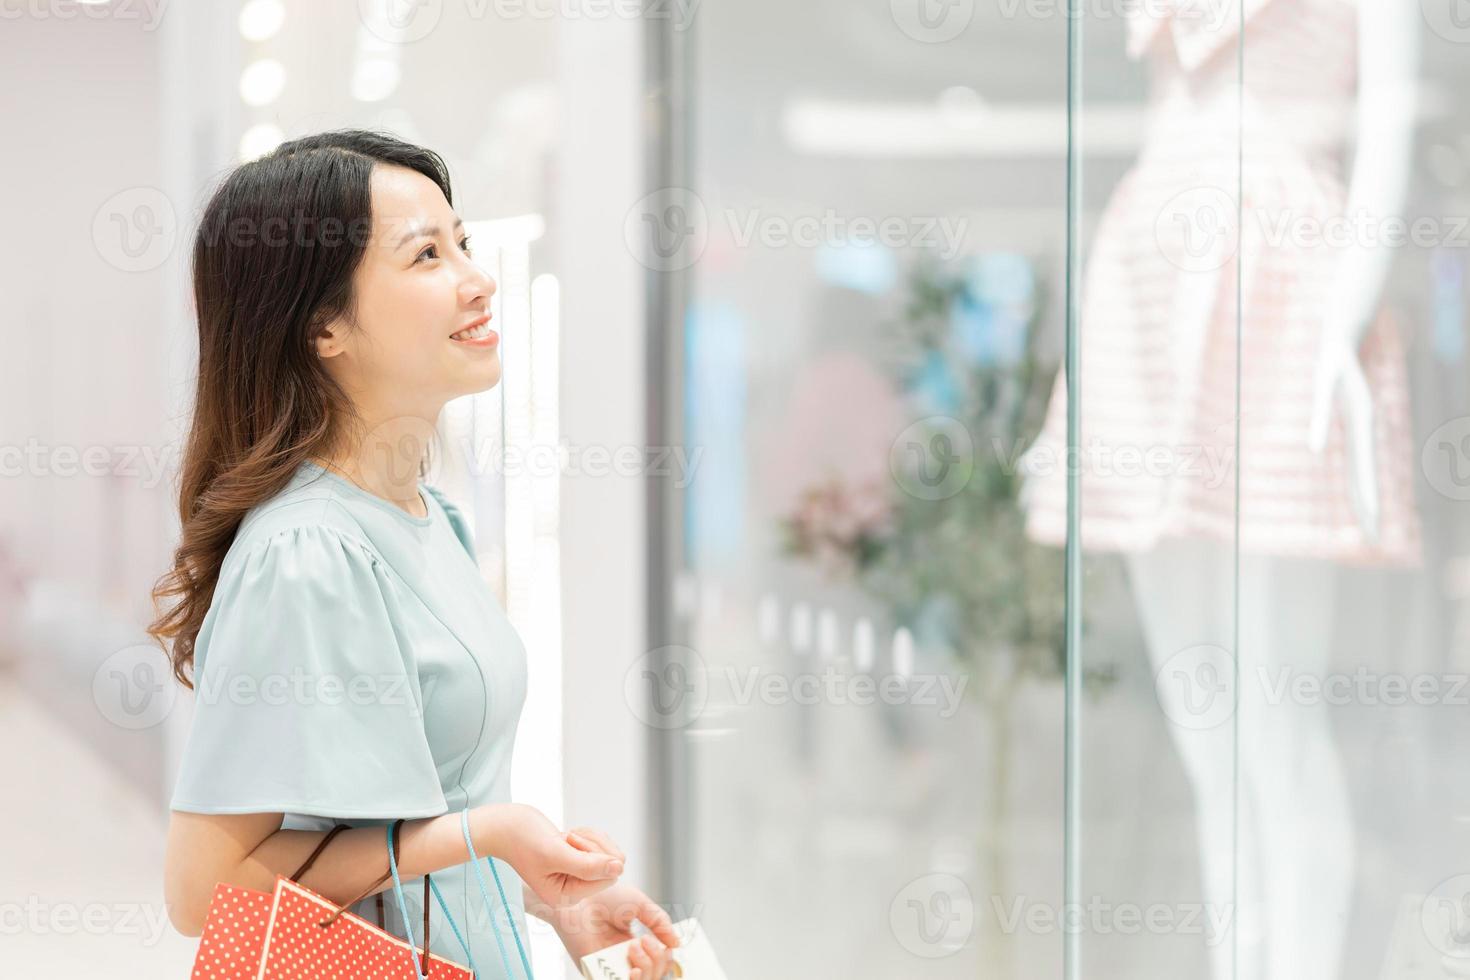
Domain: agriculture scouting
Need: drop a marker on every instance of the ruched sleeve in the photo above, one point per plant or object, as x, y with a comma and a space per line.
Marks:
305, 701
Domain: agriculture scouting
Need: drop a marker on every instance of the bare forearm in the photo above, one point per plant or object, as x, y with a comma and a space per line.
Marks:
357, 859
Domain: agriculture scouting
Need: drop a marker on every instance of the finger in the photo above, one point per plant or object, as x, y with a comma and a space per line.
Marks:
575, 890
587, 865
582, 843
658, 922
585, 844
640, 961
658, 955
603, 841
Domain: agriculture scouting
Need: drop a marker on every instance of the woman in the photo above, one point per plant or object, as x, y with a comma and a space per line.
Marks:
351, 664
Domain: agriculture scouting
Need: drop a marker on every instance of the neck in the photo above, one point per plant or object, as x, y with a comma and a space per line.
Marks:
384, 460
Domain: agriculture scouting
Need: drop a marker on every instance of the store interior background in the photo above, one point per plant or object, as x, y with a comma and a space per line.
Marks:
798, 833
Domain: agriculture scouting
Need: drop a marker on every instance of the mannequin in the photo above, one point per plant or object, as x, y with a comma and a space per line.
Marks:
1296, 853
1320, 370
1387, 76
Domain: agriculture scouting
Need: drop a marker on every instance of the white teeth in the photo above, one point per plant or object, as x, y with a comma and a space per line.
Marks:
483, 330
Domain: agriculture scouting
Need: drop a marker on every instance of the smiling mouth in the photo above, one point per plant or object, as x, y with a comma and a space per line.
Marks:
478, 333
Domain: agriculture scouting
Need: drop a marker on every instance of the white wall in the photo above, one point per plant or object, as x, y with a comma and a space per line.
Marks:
603, 395
81, 335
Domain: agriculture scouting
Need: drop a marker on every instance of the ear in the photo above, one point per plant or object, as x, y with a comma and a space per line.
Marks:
328, 340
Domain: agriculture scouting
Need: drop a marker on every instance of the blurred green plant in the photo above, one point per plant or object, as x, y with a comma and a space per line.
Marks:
955, 567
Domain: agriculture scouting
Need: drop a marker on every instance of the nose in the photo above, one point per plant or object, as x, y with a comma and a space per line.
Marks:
477, 287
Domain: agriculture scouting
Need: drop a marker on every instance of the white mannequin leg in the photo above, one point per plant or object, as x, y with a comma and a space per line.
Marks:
1185, 597
1294, 834
1290, 767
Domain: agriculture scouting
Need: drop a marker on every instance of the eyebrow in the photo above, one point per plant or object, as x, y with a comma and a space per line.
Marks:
424, 232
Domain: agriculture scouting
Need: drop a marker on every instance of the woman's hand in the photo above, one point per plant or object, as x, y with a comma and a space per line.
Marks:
607, 918
561, 869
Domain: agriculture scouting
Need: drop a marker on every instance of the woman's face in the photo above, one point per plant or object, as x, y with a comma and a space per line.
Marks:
415, 287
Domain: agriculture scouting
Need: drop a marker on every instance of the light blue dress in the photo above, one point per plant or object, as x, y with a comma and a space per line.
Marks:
354, 666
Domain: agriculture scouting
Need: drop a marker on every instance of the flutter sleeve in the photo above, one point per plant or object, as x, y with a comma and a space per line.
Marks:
305, 701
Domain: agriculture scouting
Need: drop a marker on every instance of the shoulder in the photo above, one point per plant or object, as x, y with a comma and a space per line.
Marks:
302, 521
457, 520
299, 591
299, 557
443, 498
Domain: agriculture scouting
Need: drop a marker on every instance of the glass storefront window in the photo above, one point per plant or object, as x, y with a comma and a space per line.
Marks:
1189, 616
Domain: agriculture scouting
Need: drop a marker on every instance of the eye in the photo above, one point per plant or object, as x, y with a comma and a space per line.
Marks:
464, 244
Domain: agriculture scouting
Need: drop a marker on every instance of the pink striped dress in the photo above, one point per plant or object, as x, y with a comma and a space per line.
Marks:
1158, 445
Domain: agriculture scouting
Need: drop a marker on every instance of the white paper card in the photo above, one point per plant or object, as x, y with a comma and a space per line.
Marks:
694, 957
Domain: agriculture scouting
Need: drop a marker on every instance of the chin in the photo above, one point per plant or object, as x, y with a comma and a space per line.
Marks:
486, 379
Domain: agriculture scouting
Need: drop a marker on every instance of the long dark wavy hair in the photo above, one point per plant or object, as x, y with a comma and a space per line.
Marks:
273, 262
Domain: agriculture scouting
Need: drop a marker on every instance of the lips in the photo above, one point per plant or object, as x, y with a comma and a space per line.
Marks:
477, 334
478, 321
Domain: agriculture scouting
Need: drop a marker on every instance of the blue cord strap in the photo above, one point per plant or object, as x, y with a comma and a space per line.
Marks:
419, 971
464, 823
469, 957
413, 950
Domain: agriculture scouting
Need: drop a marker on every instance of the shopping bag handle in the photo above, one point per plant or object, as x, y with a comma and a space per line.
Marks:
420, 972
366, 891
397, 884
306, 865
464, 823
429, 885
311, 858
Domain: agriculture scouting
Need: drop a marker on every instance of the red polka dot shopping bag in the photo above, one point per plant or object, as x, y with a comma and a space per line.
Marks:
297, 934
